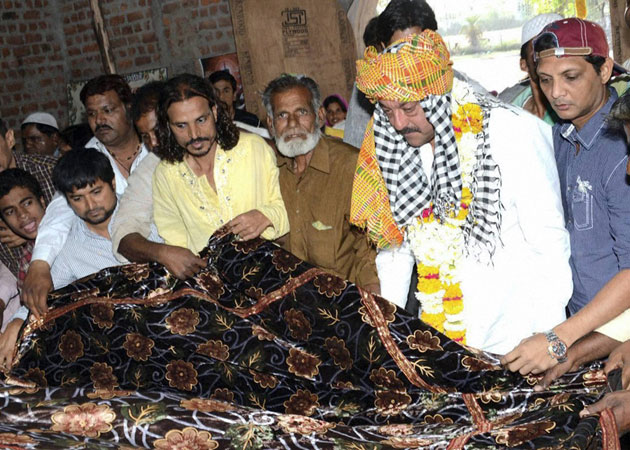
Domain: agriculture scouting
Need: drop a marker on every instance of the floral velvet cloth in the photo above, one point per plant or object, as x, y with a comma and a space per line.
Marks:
263, 351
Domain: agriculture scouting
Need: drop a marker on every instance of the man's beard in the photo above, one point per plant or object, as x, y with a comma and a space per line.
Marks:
297, 146
107, 213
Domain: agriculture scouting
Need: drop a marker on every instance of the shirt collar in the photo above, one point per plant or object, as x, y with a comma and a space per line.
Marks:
586, 137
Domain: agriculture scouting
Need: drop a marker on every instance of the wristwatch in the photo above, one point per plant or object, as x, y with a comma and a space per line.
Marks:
557, 349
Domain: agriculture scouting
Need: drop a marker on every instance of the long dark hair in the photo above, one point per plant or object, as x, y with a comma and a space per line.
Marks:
178, 89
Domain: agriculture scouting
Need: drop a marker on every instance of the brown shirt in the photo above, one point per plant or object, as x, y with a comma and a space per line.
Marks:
318, 205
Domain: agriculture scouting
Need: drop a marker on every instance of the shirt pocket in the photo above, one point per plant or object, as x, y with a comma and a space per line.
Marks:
582, 208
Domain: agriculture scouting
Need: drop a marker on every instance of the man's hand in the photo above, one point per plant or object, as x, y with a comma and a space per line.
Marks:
7, 343
570, 365
620, 359
249, 225
619, 403
374, 288
37, 285
530, 356
180, 261
9, 238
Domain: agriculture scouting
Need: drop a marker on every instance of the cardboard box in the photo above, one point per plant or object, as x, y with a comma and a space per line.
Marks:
311, 37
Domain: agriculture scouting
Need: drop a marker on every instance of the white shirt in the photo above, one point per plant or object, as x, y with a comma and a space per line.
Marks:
528, 285
54, 227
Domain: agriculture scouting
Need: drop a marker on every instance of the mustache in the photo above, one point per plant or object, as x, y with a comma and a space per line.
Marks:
100, 127
197, 140
408, 130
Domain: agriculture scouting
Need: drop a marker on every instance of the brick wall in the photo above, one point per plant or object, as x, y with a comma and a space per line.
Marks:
44, 44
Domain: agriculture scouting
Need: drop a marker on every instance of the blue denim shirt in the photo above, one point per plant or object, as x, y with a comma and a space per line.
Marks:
596, 201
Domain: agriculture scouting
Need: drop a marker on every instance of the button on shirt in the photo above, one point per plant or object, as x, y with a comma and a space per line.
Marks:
596, 201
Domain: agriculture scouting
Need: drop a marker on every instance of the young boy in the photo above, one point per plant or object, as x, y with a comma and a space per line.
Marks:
22, 208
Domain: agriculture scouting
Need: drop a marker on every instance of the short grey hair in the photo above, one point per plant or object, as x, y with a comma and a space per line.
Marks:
286, 82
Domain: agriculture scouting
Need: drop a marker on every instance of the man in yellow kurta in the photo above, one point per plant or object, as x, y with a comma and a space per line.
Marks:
211, 175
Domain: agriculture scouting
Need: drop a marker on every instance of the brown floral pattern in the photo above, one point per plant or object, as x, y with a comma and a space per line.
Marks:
388, 310
391, 403
214, 349
71, 346
206, 405
136, 272
88, 419
102, 375
407, 442
138, 347
183, 321
37, 376
102, 314
211, 283
515, 436
423, 341
181, 375
299, 326
397, 429
329, 285
15, 439
476, 364
303, 402
437, 418
188, 438
264, 380
224, 395
374, 386
262, 334
303, 364
246, 247
386, 379
285, 262
291, 423
337, 350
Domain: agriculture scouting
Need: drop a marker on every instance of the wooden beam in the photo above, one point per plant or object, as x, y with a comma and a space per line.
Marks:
102, 38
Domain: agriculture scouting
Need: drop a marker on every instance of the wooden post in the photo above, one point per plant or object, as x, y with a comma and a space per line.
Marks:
102, 38
620, 31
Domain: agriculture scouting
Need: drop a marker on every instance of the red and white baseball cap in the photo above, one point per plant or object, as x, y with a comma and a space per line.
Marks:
575, 37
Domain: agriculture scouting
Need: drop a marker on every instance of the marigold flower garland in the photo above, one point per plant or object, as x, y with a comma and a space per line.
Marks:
438, 246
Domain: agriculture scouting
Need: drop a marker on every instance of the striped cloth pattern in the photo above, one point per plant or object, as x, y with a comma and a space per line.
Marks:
409, 70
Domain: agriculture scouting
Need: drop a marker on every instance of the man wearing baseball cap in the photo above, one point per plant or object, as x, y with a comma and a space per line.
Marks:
527, 94
40, 134
574, 68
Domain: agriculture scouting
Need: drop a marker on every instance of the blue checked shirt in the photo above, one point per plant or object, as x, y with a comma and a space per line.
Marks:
596, 201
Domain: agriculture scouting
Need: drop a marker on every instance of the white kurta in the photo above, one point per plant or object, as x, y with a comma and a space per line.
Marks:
528, 285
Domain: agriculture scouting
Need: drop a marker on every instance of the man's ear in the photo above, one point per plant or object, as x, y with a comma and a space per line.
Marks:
214, 113
9, 137
114, 184
606, 70
43, 202
321, 115
270, 126
523, 65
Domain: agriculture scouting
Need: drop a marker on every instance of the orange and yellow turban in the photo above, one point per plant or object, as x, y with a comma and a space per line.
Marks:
408, 70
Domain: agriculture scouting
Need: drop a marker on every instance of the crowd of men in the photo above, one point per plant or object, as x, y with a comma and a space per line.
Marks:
499, 225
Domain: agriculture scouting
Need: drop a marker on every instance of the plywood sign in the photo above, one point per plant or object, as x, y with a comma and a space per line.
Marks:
311, 37
620, 31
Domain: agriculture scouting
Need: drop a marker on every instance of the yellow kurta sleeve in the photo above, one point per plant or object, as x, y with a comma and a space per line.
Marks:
166, 214
272, 205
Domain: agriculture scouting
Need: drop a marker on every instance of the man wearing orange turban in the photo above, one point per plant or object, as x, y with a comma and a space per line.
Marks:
465, 187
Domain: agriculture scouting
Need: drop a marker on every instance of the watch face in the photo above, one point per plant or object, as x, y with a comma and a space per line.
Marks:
558, 348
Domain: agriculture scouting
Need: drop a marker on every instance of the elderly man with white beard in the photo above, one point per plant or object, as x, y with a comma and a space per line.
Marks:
316, 183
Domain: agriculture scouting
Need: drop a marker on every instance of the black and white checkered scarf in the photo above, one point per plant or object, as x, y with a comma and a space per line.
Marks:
410, 191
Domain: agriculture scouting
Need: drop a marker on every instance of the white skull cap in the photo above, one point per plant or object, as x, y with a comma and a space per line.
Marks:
533, 26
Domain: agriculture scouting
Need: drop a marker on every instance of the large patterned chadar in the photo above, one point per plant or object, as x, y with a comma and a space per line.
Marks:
263, 351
